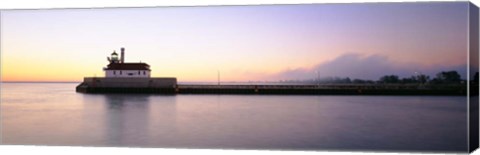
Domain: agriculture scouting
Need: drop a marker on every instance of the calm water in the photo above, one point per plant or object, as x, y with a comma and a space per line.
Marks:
54, 114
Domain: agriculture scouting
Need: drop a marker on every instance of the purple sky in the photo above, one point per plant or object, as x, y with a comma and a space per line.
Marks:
269, 42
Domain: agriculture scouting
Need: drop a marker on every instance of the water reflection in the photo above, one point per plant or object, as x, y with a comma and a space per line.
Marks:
414, 123
126, 119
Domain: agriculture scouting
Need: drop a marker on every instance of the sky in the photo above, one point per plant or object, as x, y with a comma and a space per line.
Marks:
243, 43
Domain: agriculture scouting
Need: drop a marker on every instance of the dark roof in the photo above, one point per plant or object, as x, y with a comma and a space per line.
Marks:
128, 66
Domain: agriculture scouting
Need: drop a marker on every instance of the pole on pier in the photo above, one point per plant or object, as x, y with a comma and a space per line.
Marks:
122, 58
218, 77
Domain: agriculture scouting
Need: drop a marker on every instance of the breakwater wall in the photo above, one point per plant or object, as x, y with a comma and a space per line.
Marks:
127, 85
333, 89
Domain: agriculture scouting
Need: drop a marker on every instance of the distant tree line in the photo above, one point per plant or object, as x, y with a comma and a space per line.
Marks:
444, 77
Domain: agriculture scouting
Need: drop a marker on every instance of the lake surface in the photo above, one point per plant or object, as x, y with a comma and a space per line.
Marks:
54, 114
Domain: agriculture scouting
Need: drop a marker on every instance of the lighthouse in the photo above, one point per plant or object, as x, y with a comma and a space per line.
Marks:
124, 77
117, 68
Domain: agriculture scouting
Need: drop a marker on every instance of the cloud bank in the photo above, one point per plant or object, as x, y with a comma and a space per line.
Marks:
359, 66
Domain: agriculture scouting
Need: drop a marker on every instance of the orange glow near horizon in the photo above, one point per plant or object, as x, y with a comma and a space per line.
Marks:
273, 43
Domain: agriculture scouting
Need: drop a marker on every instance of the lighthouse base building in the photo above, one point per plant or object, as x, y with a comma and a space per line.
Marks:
126, 78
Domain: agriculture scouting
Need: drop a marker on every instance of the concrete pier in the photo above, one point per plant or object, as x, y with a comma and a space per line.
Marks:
127, 85
333, 89
170, 86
